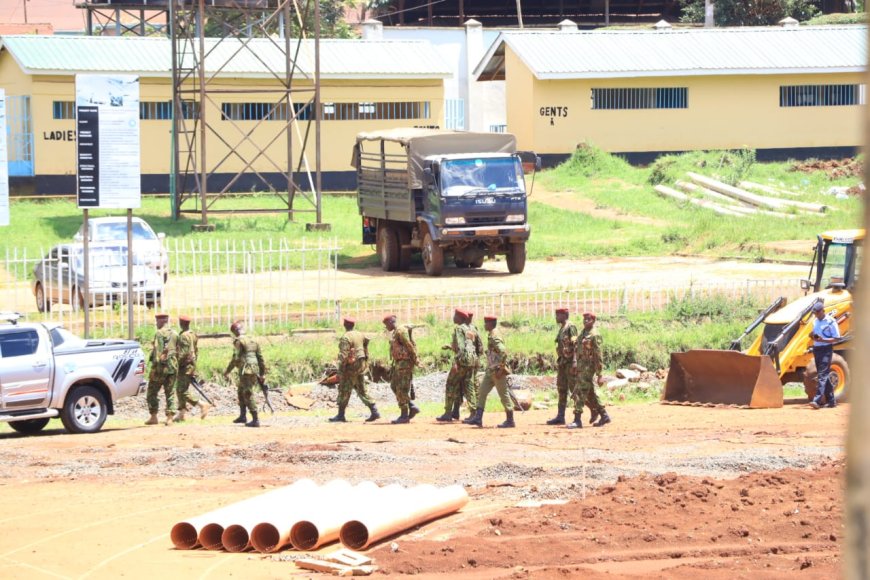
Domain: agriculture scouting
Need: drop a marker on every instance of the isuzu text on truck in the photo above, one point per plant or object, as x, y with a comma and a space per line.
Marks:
442, 193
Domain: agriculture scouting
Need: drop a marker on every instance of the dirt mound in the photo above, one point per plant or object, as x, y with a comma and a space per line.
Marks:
835, 168
772, 523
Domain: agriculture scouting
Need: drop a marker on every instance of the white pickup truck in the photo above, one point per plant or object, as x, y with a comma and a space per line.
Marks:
46, 372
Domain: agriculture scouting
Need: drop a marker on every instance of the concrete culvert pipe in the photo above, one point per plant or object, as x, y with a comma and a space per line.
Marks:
387, 518
322, 526
274, 531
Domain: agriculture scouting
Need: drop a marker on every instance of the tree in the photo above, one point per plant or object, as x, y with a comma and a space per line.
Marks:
332, 23
755, 13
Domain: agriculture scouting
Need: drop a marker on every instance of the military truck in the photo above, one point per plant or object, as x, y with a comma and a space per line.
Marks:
442, 193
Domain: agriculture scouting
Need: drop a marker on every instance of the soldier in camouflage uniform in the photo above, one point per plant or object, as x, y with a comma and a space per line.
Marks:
588, 366
164, 366
566, 363
187, 354
403, 353
459, 379
496, 375
470, 393
353, 354
248, 359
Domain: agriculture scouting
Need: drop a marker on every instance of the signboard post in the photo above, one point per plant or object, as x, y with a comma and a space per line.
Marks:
4, 165
108, 159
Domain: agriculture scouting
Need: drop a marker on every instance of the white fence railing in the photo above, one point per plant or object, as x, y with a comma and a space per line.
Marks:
217, 282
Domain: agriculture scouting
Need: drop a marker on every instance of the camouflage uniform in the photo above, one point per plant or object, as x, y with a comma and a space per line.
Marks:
588, 365
404, 356
472, 395
497, 372
352, 367
187, 355
249, 360
566, 344
460, 379
164, 367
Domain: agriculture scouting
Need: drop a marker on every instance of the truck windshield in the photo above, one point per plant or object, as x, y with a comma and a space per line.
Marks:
485, 176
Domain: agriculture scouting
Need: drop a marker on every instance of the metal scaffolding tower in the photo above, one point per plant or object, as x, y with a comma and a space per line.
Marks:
130, 17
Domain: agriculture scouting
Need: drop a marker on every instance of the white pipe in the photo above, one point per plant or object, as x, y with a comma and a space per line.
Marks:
388, 517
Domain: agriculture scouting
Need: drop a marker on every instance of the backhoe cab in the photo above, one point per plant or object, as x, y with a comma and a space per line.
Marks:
782, 352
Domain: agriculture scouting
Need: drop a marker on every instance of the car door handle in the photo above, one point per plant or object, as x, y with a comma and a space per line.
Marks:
39, 364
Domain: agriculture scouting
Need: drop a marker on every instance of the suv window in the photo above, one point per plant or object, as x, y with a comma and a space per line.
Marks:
18, 343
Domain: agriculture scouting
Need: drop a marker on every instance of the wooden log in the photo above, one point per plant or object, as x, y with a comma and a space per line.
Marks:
674, 194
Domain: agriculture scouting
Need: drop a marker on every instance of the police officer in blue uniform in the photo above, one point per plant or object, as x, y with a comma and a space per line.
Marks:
825, 334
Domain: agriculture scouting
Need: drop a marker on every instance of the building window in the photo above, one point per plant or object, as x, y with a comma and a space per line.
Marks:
822, 95
162, 110
650, 98
330, 111
63, 109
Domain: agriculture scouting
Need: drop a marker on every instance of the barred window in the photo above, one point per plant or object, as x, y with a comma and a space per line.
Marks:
647, 98
162, 110
330, 111
63, 109
822, 95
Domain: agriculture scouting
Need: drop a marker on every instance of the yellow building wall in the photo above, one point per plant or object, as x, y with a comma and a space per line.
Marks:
12, 79
519, 99
724, 112
57, 157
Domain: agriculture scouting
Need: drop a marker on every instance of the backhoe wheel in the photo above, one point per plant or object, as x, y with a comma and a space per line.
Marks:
516, 258
388, 249
433, 256
840, 374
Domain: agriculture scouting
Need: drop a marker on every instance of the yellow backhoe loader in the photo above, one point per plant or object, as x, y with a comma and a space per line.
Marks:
782, 351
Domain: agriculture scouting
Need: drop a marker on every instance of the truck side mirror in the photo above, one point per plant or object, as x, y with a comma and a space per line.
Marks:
427, 171
806, 284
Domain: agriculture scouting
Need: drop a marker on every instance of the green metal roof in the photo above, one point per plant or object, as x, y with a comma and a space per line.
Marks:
152, 57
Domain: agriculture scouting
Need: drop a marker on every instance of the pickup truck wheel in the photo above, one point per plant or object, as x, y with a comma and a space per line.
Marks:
516, 258
840, 374
29, 426
388, 249
84, 411
42, 305
433, 256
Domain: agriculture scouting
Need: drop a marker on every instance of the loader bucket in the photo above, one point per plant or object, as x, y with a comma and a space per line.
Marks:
723, 377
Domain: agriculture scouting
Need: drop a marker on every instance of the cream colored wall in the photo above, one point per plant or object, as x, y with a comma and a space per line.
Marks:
520, 90
12, 80
58, 157
724, 112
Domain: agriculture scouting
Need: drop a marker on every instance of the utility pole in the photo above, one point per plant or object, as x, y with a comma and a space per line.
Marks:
24, 3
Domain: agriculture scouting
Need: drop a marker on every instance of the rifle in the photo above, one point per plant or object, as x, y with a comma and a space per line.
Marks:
265, 388
198, 386
513, 397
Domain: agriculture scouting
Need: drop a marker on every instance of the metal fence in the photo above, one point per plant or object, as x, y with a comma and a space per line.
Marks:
603, 301
271, 282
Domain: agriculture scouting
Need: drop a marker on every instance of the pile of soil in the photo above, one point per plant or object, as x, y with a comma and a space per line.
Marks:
835, 168
774, 523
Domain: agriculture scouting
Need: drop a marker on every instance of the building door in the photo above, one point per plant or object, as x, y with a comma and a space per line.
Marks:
19, 136
454, 114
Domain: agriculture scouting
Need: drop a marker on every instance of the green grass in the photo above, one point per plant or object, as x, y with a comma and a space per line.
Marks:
673, 227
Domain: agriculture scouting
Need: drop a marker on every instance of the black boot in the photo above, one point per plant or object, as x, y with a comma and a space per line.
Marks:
604, 420
578, 422
413, 410
255, 420
509, 422
595, 414
455, 414
374, 414
340, 417
472, 417
243, 415
447, 417
403, 418
559, 419
476, 419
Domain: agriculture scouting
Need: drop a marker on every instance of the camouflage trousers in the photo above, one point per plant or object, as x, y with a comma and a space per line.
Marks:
565, 382
592, 400
182, 392
401, 376
460, 383
245, 391
158, 380
500, 384
353, 378
584, 390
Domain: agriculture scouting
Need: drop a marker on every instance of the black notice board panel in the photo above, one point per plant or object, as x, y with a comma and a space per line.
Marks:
88, 156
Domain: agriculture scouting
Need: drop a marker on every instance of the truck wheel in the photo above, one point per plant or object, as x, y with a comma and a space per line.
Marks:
388, 249
84, 411
433, 256
29, 426
476, 263
840, 374
516, 258
42, 305
405, 253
